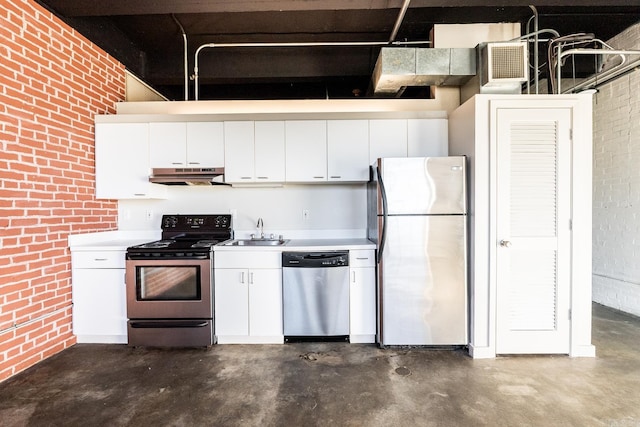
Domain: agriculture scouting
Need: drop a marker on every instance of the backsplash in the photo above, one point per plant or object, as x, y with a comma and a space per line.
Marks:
330, 209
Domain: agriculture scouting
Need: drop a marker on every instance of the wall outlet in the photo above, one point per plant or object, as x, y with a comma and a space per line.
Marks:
149, 215
305, 214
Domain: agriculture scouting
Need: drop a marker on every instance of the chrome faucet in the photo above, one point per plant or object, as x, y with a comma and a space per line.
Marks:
260, 227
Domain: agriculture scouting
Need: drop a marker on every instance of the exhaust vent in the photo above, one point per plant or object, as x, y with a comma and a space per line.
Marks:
503, 65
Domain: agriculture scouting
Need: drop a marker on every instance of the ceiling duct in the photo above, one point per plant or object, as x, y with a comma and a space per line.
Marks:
400, 67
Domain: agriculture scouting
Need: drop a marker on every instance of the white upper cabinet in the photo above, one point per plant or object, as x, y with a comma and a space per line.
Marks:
306, 150
168, 145
205, 144
427, 138
239, 152
387, 138
190, 145
254, 151
269, 151
122, 162
348, 150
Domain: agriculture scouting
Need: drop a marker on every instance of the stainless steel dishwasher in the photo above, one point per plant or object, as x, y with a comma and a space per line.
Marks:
315, 295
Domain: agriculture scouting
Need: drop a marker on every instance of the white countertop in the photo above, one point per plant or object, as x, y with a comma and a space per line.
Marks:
110, 240
306, 245
121, 240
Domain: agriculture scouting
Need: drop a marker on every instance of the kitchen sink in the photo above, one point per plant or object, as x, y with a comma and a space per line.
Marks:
257, 242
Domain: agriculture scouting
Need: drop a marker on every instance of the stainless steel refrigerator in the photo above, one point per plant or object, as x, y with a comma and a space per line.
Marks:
417, 217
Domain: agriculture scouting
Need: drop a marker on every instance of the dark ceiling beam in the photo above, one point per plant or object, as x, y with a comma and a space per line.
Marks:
80, 8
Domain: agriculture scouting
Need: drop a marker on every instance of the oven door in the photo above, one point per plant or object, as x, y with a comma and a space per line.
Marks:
169, 289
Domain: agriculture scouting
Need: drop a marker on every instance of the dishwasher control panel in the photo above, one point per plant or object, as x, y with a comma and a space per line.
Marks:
315, 259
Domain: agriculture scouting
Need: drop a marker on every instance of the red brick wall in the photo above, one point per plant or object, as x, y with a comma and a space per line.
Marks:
52, 83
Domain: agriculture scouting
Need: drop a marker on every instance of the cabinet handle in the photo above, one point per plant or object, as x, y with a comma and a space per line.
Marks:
245, 177
139, 194
242, 277
251, 278
176, 163
362, 258
100, 259
353, 276
194, 163
318, 177
263, 177
336, 176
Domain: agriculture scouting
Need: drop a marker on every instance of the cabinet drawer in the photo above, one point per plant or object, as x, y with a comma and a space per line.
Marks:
98, 259
247, 259
362, 258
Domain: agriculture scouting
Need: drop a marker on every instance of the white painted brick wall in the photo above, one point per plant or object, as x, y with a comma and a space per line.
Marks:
616, 186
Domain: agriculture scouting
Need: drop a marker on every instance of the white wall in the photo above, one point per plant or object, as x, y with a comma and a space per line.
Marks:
616, 186
334, 210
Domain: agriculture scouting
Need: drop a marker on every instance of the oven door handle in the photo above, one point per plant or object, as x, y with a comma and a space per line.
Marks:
169, 324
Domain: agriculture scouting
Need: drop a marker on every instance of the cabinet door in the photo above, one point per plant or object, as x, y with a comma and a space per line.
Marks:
427, 138
306, 150
239, 151
387, 138
99, 305
231, 302
168, 145
362, 301
348, 150
205, 144
122, 162
269, 151
265, 302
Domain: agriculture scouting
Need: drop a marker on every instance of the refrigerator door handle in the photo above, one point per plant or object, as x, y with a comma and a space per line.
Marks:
383, 193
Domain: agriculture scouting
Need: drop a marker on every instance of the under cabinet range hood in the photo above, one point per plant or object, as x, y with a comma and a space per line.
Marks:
188, 176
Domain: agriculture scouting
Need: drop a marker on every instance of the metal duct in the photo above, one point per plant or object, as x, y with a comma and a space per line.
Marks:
399, 67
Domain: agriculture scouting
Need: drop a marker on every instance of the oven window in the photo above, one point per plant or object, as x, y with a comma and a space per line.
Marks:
168, 283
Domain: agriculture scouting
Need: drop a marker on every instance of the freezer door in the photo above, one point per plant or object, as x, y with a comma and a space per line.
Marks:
424, 185
422, 282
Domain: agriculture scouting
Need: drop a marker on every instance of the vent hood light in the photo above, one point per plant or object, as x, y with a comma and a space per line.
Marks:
188, 176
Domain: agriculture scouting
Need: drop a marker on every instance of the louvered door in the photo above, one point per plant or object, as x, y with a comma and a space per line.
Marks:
533, 230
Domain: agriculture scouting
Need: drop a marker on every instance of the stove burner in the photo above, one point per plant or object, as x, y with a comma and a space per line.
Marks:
185, 236
205, 243
159, 244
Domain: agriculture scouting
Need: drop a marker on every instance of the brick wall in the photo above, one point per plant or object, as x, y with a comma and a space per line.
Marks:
52, 83
616, 186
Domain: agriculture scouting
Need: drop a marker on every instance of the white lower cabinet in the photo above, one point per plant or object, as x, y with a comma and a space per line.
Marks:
362, 296
99, 297
248, 297
231, 302
265, 302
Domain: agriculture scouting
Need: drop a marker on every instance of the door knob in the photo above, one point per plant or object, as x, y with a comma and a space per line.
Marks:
505, 243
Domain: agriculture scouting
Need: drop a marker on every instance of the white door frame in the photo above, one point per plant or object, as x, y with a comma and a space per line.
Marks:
581, 208
539, 325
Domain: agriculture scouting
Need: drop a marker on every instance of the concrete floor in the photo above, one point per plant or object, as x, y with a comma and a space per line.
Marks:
331, 384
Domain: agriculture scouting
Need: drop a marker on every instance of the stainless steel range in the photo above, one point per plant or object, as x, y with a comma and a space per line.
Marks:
170, 282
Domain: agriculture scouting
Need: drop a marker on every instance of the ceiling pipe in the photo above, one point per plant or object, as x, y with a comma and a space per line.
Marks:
293, 44
554, 49
593, 82
611, 74
537, 41
186, 58
535, 47
394, 33
399, 20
